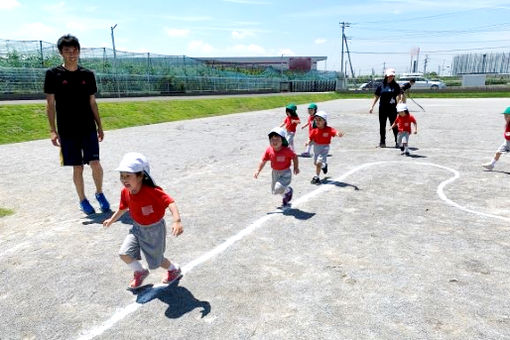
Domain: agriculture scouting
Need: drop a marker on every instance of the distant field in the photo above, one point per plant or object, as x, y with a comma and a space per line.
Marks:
20, 123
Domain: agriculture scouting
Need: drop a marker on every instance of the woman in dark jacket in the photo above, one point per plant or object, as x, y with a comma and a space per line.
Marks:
388, 94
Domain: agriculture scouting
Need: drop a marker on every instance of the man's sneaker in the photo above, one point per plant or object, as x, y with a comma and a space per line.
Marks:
86, 207
103, 203
488, 166
138, 278
315, 180
172, 275
403, 152
287, 197
407, 153
325, 168
382, 145
402, 148
306, 154
397, 146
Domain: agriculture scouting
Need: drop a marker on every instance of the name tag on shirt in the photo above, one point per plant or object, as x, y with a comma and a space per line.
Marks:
147, 210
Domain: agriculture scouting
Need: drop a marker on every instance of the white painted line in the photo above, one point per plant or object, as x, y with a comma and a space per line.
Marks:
125, 311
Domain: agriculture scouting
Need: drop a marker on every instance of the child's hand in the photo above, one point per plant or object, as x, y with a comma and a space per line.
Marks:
256, 174
340, 133
415, 131
296, 171
176, 228
108, 222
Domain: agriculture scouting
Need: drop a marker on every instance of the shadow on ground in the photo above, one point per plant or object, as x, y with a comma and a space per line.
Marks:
296, 213
99, 218
179, 299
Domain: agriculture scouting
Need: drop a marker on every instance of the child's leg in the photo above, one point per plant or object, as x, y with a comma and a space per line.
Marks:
166, 264
496, 156
135, 265
318, 167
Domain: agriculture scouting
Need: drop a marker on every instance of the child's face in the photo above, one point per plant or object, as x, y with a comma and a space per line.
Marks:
131, 181
320, 122
276, 142
507, 119
311, 112
402, 113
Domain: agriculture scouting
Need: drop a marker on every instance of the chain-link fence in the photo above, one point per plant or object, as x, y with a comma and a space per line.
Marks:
23, 65
486, 63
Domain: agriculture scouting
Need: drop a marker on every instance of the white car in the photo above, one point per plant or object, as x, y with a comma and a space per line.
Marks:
422, 83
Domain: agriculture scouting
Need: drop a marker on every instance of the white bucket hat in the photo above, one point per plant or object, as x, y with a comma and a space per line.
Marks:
135, 162
389, 72
401, 107
280, 132
323, 115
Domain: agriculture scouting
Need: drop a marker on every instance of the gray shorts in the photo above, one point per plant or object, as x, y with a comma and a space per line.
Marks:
290, 139
150, 239
281, 180
403, 137
505, 147
320, 153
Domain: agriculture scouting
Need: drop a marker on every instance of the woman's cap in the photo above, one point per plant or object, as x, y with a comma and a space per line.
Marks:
507, 111
401, 107
322, 114
280, 132
389, 72
312, 106
291, 106
134, 162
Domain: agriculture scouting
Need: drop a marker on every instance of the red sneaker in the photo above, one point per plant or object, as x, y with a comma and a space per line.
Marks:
172, 275
138, 278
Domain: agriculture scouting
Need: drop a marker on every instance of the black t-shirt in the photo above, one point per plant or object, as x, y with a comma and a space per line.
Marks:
72, 90
387, 93
405, 87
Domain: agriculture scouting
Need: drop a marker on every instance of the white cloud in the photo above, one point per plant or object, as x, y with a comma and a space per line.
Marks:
177, 32
9, 4
320, 41
199, 48
239, 35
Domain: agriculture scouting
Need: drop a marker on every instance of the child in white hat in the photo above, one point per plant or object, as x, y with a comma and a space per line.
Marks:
147, 204
403, 121
505, 147
321, 136
281, 156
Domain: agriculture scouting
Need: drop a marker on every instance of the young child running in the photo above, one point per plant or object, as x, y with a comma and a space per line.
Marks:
321, 138
312, 110
505, 147
403, 121
280, 156
146, 203
290, 123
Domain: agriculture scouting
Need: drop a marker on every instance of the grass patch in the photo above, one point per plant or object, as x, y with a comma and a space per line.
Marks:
20, 123
6, 212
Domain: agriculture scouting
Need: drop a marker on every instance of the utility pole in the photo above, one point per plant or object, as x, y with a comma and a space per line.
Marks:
425, 64
342, 73
115, 61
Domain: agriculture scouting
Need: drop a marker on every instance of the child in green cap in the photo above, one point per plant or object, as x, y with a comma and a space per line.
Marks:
505, 147
290, 123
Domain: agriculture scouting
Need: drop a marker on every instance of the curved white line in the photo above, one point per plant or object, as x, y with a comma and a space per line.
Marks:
125, 311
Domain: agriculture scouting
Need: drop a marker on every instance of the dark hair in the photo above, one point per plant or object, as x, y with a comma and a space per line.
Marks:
68, 41
146, 180
385, 81
292, 112
412, 80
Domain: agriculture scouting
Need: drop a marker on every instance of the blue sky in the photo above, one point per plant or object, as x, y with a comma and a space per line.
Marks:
380, 33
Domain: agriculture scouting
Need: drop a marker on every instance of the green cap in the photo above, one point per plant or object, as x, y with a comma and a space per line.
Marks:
312, 106
507, 111
291, 106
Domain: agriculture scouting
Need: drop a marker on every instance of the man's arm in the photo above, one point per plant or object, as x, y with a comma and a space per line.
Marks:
51, 112
97, 119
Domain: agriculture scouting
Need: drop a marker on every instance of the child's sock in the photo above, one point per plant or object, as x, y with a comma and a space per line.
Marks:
493, 162
136, 266
172, 267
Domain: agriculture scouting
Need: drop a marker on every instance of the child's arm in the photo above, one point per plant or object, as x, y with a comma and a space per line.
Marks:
295, 161
118, 214
393, 125
415, 128
308, 142
282, 125
296, 121
259, 169
176, 225
339, 133
305, 125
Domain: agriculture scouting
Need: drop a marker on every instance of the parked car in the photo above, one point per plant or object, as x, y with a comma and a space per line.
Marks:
422, 83
371, 85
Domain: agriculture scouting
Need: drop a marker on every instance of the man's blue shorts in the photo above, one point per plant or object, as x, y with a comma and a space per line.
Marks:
79, 150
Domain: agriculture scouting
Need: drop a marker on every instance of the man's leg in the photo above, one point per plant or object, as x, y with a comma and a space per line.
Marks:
78, 181
97, 175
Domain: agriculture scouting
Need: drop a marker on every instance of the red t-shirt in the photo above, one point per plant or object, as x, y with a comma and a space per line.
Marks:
289, 126
507, 132
404, 122
280, 160
147, 206
322, 136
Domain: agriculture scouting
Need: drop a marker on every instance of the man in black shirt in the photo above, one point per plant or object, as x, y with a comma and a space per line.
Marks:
70, 98
405, 87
